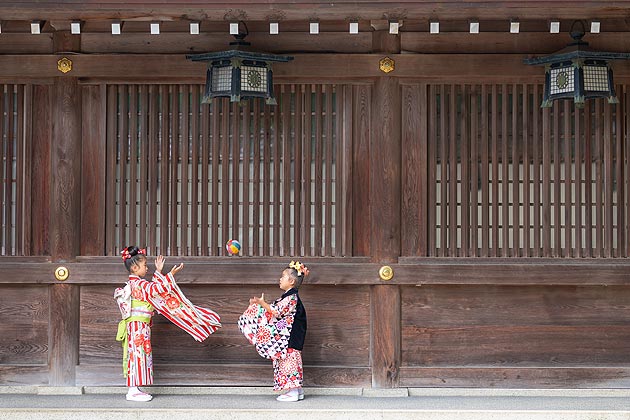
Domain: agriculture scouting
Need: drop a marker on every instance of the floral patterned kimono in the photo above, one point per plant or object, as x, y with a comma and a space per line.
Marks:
137, 301
278, 335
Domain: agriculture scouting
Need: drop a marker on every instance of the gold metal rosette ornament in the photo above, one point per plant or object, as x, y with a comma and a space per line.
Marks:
64, 65
386, 273
386, 65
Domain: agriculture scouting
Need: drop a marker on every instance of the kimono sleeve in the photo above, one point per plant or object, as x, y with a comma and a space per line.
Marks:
284, 307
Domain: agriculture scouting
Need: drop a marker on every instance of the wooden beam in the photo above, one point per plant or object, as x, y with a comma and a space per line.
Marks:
414, 271
244, 9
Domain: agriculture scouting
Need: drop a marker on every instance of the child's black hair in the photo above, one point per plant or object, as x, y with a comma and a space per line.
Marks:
135, 256
294, 274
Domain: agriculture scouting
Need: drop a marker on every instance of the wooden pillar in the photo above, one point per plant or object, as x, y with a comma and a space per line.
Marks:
65, 217
385, 190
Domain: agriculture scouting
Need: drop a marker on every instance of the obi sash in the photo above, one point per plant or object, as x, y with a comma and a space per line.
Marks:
140, 311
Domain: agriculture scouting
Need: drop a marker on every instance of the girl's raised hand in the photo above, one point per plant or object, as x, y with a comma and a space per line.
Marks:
159, 263
177, 268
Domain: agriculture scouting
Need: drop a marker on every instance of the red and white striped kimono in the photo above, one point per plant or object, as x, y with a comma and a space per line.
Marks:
136, 302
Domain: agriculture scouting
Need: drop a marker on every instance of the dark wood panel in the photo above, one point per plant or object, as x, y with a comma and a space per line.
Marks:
63, 333
41, 120
385, 340
21, 375
259, 374
506, 377
462, 306
328, 342
515, 326
24, 330
65, 204
533, 345
93, 169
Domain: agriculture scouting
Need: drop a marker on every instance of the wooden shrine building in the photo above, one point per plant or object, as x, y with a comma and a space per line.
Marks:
506, 225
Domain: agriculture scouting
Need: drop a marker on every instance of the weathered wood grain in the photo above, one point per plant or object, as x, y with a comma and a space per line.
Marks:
24, 332
63, 333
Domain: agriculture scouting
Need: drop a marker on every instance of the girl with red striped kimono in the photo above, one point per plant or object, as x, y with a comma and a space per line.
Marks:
277, 330
137, 301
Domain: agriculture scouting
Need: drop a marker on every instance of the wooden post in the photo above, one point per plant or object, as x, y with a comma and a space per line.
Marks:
65, 218
385, 190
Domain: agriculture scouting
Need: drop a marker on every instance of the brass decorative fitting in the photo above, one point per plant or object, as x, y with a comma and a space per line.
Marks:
386, 272
64, 65
62, 273
386, 65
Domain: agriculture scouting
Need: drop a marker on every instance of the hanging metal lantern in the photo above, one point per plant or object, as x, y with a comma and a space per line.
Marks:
239, 73
578, 72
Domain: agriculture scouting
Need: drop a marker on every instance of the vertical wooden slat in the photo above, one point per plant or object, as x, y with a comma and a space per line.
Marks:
588, 179
505, 175
277, 178
474, 172
256, 202
453, 177
247, 139
579, 142
495, 173
225, 175
608, 182
328, 200
297, 171
133, 165
443, 247
485, 175
411, 172
338, 181
186, 203
432, 169
266, 227
145, 163
196, 233
626, 184
465, 186
110, 178
5, 192
308, 160
546, 183
174, 140
211, 221
7, 135
348, 135
123, 149
40, 119
235, 201
526, 206
19, 171
25, 133
599, 209
536, 126
557, 200
164, 169
619, 250
517, 138
318, 177
154, 162
288, 120
208, 232
568, 228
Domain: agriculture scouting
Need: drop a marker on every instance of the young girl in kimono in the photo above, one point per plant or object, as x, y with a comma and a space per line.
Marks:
277, 330
137, 301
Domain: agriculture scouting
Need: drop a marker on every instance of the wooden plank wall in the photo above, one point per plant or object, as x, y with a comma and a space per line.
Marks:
443, 320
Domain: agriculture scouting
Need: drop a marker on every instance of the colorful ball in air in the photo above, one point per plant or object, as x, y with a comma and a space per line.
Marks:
233, 246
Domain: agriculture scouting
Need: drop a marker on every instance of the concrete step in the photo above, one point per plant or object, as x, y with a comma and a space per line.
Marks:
170, 403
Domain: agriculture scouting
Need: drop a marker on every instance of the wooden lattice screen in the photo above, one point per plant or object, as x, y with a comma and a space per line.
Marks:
13, 163
509, 179
183, 178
